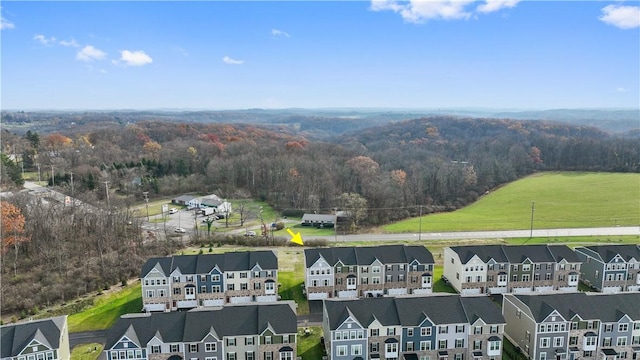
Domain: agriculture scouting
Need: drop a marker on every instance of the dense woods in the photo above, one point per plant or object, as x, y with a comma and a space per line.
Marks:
380, 174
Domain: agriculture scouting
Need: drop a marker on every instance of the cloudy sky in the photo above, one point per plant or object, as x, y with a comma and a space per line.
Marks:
236, 55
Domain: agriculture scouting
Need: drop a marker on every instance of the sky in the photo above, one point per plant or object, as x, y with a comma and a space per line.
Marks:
500, 54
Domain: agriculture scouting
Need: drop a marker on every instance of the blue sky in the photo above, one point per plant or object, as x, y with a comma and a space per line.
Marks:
236, 55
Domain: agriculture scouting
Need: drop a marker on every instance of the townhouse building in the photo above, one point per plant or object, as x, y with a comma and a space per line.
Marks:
504, 269
45, 339
611, 268
570, 326
234, 332
434, 327
352, 272
190, 281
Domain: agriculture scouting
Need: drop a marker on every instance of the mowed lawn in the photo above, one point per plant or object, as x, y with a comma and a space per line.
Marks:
107, 309
560, 199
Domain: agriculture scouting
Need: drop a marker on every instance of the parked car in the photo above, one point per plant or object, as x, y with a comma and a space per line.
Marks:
250, 233
180, 230
173, 211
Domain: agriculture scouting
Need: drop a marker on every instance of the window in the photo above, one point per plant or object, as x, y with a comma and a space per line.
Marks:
606, 341
374, 347
621, 341
558, 341
174, 348
493, 329
215, 277
459, 343
230, 276
409, 345
231, 341
623, 327
544, 342
608, 328
231, 356
268, 355
267, 339
215, 288
231, 287
391, 331
590, 340
210, 347
459, 328
374, 332
391, 348
248, 340
155, 349
409, 332
356, 349
341, 350
425, 331
477, 345
243, 275
114, 356
244, 286
442, 344
250, 355
425, 345
203, 278
494, 345
477, 330
443, 330
189, 291
375, 280
286, 355
138, 354
203, 289
375, 269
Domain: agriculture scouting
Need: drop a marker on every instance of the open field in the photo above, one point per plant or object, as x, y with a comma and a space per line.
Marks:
107, 309
309, 346
560, 199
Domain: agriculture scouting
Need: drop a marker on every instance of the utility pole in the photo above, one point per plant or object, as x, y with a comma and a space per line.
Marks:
53, 177
532, 210
146, 201
72, 192
106, 188
335, 224
38, 165
420, 225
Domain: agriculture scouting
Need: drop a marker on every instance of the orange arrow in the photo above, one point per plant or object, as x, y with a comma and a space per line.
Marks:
296, 238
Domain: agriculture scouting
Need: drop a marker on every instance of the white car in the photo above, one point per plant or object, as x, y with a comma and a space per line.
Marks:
180, 230
250, 233
173, 211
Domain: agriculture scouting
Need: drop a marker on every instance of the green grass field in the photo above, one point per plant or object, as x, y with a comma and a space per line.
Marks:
561, 200
309, 346
107, 309
86, 351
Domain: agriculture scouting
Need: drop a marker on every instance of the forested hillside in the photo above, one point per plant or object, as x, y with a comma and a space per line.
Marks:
379, 174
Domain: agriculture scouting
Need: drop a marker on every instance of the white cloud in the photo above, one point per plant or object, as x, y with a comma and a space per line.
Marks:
90, 53
278, 33
44, 40
6, 24
134, 58
419, 11
623, 17
71, 43
495, 5
622, 90
231, 61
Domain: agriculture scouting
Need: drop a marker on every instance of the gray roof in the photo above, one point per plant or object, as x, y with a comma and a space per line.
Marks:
411, 311
484, 252
608, 252
203, 263
319, 218
184, 198
606, 307
193, 326
366, 255
15, 337
516, 253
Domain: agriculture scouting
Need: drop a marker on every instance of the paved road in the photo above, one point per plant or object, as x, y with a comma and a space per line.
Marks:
605, 231
87, 337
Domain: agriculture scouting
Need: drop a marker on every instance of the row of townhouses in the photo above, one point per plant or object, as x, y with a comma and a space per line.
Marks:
574, 326
190, 281
434, 327
611, 268
235, 332
46, 339
511, 269
353, 272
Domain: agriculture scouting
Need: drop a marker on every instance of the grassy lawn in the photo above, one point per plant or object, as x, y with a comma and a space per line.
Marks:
438, 284
291, 277
107, 309
86, 351
309, 347
576, 240
562, 199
